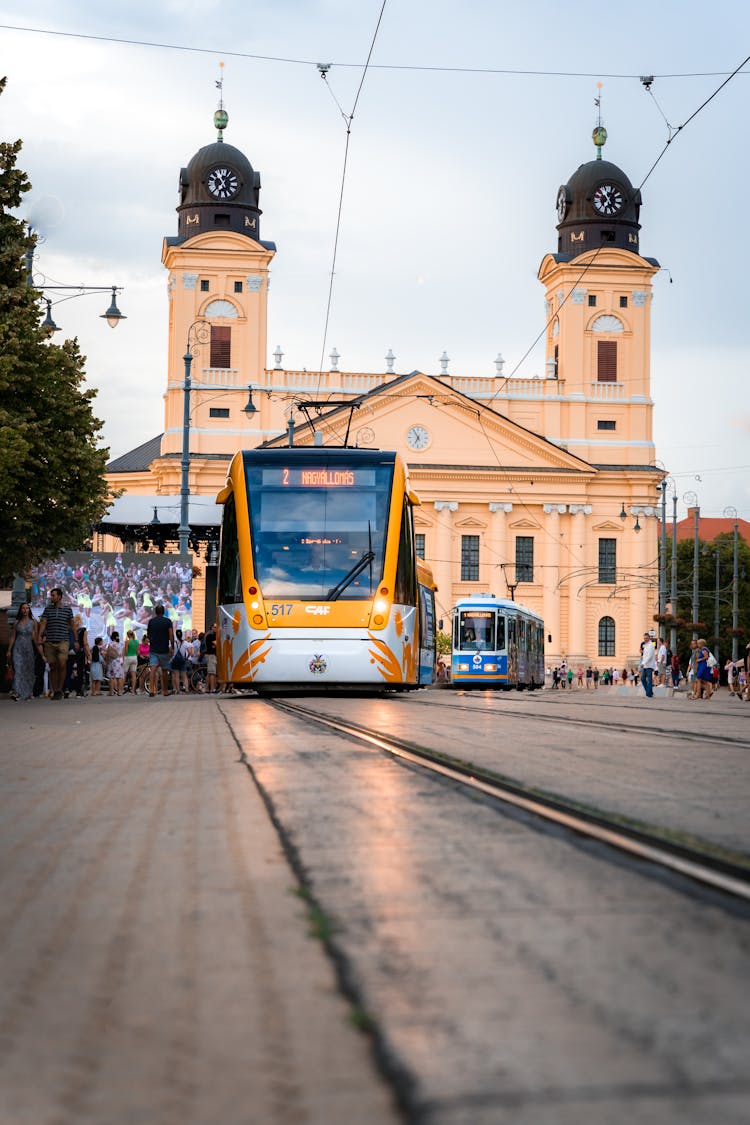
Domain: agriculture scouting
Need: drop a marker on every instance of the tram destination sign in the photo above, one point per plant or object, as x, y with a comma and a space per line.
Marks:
318, 478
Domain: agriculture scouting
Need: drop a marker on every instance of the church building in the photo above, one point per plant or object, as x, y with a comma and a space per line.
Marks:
543, 489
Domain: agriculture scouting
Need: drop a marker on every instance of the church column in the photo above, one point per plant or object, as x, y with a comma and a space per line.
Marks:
577, 585
551, 578
442, 567
498, 546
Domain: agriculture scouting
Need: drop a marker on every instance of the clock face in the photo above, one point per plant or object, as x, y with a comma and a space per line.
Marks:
562, 203
418, 437
608, 199
222, 182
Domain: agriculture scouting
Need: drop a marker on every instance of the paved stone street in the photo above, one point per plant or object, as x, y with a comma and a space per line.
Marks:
156, 963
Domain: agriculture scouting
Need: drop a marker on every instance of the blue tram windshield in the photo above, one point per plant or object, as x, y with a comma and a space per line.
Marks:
476, 630
312, 525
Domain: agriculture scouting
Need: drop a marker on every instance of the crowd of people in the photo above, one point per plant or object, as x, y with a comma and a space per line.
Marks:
55, 656
660, 667
117, 591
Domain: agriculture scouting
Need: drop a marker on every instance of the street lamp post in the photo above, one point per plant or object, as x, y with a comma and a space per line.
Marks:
716, 611
691, 500
673, 583
662, 486
199, 330
732, 514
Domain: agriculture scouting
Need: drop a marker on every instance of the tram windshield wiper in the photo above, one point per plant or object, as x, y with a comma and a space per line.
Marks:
362, 562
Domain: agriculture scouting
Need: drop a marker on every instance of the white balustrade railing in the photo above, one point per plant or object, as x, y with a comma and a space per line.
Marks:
608, 392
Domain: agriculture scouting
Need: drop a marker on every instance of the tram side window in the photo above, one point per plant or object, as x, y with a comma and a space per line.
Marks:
406, 571
230, 577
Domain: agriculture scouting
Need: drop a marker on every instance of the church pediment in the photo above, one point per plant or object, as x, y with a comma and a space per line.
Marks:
524, 525
432, 424
607, 525
470, 522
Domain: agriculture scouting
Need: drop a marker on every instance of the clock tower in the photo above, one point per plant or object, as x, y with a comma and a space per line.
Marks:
218, 306
598, 302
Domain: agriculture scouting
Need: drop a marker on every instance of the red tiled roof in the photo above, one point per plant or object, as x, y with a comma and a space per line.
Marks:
709, 528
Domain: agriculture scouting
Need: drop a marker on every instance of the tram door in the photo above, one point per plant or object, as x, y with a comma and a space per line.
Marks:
512, 643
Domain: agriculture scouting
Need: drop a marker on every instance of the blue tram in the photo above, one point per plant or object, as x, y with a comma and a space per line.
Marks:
497, 643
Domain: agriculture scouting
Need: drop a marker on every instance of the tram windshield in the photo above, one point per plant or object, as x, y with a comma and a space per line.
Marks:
476, 630
319, 529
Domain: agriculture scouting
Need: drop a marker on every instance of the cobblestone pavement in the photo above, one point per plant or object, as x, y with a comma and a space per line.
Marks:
156, 965
520, 975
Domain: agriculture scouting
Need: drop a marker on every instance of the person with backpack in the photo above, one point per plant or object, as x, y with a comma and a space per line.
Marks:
704, 673
179, 663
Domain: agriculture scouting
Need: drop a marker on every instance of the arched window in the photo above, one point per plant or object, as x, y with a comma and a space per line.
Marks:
221, 308
607, 636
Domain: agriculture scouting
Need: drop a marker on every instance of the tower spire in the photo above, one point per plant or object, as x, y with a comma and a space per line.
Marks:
221, 117
599, 135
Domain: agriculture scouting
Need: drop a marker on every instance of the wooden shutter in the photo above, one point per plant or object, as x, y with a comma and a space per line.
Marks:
221, 346
606, 366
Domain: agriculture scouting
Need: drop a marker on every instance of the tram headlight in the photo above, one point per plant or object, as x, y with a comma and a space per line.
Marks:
380, 606
253, 605
257, 619
463, 667
490, 667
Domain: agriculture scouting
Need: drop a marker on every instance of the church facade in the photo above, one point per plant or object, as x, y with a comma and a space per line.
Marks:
541, 489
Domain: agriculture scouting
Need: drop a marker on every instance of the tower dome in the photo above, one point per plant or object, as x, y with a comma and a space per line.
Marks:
597, 206
219, 189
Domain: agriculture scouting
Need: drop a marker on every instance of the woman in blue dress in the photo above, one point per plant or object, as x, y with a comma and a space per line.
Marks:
22, 653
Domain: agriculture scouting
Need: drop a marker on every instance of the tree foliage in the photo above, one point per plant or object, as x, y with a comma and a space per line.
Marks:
52, 486
707, 589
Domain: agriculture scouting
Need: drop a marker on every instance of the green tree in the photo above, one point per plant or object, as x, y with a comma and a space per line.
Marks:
52, 486
724, 544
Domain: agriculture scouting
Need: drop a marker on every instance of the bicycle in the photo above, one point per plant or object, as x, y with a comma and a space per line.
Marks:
197, 679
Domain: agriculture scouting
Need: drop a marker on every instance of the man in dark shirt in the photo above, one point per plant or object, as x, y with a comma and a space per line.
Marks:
161, 642
210, 642
53, 641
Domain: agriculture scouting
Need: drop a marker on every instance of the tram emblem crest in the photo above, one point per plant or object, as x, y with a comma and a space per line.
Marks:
318, 665
476, 660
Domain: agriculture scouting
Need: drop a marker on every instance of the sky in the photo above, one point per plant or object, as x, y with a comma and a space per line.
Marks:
467, 120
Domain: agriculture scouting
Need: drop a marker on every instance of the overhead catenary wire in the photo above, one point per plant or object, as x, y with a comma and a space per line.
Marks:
348, 118
223, 51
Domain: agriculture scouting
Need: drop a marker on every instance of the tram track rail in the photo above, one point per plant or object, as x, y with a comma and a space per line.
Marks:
702, 862
577, 720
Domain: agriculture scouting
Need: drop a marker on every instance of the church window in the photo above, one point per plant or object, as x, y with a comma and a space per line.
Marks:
220, 308
606, 424
221, 220
623, 302
419, 539
204, 285
607, 561
469, 558
524, 558
221, 346
238, 286
592, 300
218, 412
606, 361
607, 636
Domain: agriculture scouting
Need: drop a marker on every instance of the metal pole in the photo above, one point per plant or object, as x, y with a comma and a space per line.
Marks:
716, 612
184, 529
663, 555
673, 589
735, 597
696, 601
